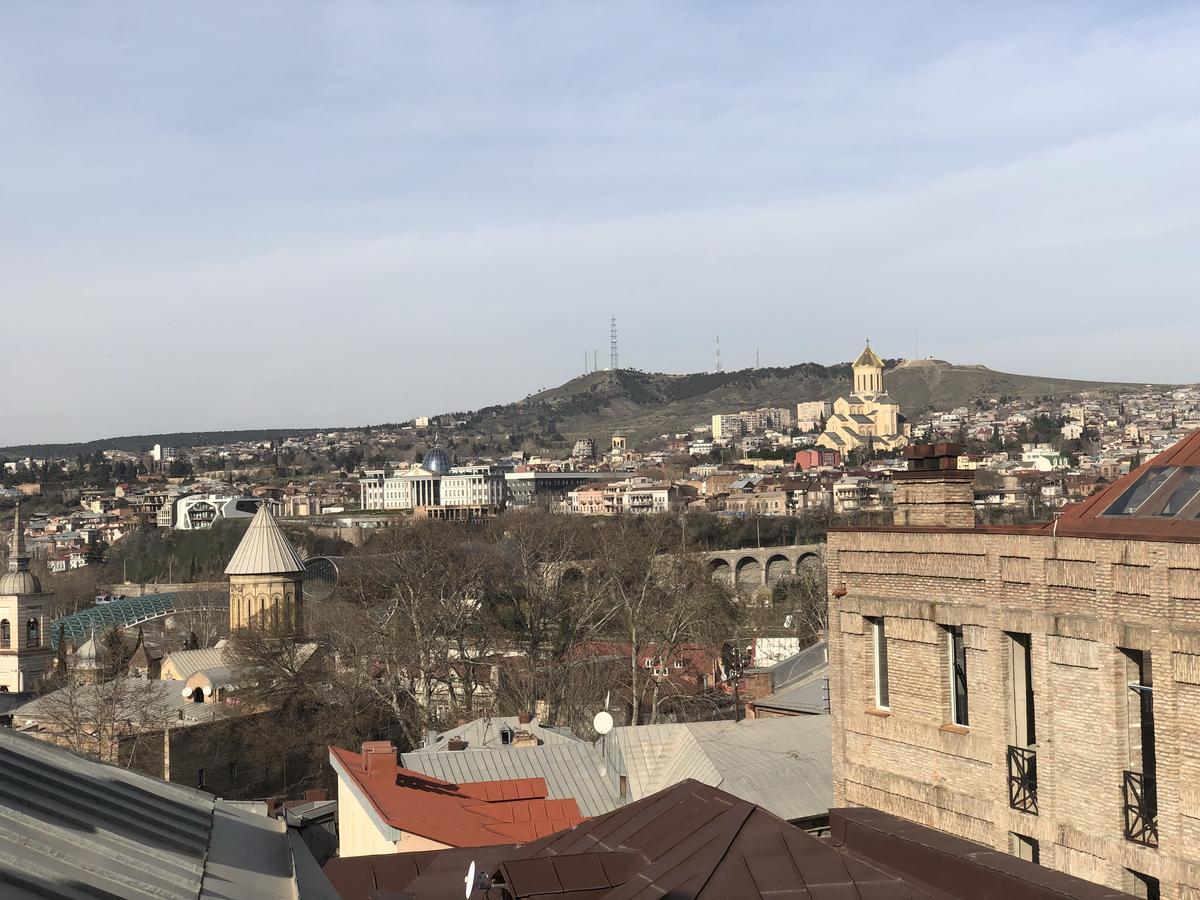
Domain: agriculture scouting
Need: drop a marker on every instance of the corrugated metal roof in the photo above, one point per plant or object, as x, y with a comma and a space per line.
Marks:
476, 814
752, 759
571, 769
74, 828
139, 700
264, 549
187, 663
782, 764
485, 733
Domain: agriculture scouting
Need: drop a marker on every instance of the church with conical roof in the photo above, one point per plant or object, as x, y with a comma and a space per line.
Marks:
266, 579
868, 417
25, 651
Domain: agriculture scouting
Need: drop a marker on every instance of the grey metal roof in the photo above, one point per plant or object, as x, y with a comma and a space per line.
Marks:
187, 663
782, 764
799, 665
264, 549
799, 681
77, 829
571, 769
807, 696
139, 700
484, 733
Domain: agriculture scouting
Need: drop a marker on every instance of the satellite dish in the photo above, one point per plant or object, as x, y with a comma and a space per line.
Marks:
603, 722
469, 881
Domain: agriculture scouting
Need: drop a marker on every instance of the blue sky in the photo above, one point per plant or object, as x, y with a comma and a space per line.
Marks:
226, 215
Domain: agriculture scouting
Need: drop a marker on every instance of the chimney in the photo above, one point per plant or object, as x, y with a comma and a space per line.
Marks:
378, 757
934, 491
314, 795
456, 744
523, 718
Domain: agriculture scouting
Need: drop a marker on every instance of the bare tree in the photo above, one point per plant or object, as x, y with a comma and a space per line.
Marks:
800, 604
202, 614
115, 720
662, 600
545, 590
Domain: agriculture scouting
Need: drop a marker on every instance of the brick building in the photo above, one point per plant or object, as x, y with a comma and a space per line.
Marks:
1032, 688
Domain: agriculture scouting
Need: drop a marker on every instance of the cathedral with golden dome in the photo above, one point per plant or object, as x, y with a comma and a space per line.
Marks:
868, 418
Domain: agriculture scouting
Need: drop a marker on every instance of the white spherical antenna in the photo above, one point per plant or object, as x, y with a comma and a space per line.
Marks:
603, 722
469, 881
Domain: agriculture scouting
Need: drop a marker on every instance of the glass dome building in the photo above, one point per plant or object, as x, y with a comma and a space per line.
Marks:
438, 461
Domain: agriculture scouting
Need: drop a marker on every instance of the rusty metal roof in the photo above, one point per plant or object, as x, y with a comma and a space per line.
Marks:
1159, 500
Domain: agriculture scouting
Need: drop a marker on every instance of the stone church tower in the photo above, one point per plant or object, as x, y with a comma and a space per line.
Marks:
868, 418
25, 651
266, 579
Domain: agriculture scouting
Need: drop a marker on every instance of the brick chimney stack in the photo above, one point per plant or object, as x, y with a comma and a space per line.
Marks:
934, 491
378, 757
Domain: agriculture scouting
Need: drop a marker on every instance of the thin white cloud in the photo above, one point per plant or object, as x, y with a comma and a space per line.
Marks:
376, 215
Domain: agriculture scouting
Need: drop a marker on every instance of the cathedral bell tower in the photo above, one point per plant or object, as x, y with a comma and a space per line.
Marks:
868, 373
266, 580
25, 650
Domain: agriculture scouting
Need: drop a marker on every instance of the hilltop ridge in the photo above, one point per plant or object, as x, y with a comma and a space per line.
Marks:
646, 404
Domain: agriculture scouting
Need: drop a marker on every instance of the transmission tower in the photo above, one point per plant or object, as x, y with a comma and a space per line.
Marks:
613, 342
718, 353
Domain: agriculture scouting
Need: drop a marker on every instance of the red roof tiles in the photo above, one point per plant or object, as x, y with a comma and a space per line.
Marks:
469, 815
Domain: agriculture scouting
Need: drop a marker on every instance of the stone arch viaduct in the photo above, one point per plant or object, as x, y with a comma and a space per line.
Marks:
751, 568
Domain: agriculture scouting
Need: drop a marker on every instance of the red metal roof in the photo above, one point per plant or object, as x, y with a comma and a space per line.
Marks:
1154, 518
479, 814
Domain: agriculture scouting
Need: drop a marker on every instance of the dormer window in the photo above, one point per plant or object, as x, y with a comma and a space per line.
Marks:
506, 736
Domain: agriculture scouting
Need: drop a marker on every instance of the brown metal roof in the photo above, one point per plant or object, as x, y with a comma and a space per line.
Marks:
1166, 477
694, 842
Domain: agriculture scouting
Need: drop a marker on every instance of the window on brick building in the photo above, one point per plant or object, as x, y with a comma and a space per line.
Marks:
1139, 885
1025, 848
880, 661
957, 649
1022, 721
1140, 780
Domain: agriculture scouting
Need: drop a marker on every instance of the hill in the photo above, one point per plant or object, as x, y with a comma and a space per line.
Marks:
644, 405
143, 443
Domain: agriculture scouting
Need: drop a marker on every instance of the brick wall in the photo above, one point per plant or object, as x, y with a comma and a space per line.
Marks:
1080, 600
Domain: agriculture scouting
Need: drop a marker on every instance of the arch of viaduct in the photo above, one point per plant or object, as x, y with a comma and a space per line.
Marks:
746, 570
750, 569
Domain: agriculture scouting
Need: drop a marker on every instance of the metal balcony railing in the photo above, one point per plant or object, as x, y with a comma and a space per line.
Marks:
1022, 779
1141, 808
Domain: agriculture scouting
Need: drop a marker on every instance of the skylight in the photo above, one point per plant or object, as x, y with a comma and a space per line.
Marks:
1165, 492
